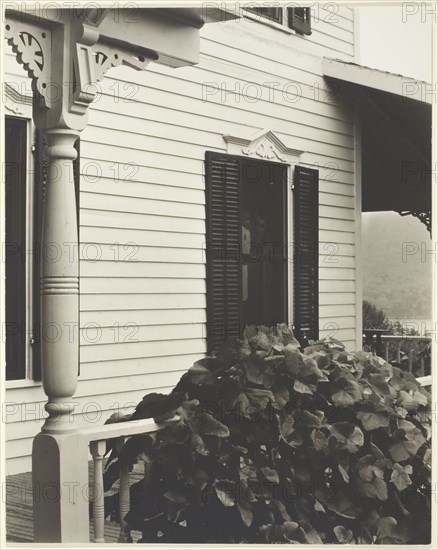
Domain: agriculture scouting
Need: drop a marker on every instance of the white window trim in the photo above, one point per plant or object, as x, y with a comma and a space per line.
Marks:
268, 22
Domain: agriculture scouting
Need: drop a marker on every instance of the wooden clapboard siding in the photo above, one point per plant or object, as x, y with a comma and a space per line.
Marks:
158, 317
143, 188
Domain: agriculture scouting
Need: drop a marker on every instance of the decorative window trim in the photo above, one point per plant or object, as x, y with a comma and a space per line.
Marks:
264, 144
16, 103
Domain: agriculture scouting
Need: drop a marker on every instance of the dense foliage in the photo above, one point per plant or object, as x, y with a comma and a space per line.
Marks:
270, 444
374, 317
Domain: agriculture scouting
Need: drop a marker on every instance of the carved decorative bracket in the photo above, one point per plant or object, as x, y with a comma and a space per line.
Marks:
424, 217
264, 145
32, 45
106, 57
91, 60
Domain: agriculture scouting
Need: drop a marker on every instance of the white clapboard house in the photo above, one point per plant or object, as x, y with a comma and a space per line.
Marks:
179, 173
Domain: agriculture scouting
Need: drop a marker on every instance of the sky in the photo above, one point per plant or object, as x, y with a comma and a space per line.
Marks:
397, 39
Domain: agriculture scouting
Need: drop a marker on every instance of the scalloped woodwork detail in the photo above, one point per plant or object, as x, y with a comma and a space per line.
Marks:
32, 47
264, 150
90, 64
264, 145
106, 57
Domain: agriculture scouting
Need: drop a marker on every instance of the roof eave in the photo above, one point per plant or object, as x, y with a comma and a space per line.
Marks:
400, 85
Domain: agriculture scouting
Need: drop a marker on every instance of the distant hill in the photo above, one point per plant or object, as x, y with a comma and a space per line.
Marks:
400, 284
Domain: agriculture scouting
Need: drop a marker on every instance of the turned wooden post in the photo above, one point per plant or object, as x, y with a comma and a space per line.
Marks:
97, 449
59, 456
60, 283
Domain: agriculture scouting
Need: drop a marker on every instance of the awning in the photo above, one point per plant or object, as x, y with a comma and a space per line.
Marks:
396, 122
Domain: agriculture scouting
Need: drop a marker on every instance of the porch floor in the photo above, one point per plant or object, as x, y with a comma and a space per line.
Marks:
19, 510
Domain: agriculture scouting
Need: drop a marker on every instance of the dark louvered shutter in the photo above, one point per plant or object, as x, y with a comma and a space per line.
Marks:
222, 249
299, 19
306, 225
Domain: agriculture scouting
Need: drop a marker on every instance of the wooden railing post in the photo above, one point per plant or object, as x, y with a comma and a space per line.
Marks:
97, 449
124, 495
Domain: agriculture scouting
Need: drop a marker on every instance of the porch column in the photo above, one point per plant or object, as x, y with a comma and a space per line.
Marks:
60, 283
59, 457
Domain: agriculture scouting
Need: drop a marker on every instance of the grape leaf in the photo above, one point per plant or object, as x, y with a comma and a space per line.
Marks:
299, 387
385, 527
225, 491
270, 475
411, 401
346, 392
400, 476
349, 436
374, 489
402, 449
207, 425
344, 535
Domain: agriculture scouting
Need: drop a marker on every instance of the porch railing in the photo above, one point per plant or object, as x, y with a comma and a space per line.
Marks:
406, 350
96, 437
409, 342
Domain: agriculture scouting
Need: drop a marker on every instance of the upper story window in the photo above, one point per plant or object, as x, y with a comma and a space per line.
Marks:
274, 14
297, 19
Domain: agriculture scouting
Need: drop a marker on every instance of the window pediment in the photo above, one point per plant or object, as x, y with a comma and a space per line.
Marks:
262, 145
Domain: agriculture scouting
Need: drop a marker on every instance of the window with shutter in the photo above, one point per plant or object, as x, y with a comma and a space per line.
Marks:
306, 242
299, 19
246, 245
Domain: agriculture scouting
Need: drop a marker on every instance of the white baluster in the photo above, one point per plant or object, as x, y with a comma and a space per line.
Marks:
97, 449
124, 498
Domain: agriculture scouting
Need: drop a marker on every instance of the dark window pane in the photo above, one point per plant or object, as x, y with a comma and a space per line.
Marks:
15, 247
263, 208
274, 14
299, 19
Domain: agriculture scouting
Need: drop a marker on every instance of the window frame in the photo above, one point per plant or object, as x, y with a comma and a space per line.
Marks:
31, 267
288, 23
301, 24
285, 230
279, 20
